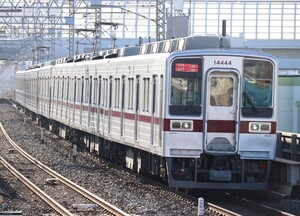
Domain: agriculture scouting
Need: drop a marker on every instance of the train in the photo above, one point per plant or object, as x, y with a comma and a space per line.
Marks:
192, 112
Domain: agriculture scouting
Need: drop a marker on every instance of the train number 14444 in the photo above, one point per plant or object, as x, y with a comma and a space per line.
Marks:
222, 62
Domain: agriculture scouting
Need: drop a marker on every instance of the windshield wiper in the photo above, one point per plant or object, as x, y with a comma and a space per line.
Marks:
190, 104
250, 101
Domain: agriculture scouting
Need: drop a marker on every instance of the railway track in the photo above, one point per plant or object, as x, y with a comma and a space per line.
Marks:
226, 204
211, 208
109, 208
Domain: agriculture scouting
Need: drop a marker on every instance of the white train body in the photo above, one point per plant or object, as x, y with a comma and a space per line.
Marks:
193, 113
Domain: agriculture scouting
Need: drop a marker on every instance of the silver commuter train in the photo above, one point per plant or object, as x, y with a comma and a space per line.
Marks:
198, 117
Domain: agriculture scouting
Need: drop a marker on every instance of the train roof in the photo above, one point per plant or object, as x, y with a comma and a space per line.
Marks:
165, 46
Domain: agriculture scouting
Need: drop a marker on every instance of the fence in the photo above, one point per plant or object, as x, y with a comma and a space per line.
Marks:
288, 146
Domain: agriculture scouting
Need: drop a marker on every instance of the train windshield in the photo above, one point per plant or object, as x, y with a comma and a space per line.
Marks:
186, 84
257, 88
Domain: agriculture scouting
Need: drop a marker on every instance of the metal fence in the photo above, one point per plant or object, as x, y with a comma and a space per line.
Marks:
288, 146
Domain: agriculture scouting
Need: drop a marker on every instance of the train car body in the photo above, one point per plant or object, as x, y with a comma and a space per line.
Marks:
200, 118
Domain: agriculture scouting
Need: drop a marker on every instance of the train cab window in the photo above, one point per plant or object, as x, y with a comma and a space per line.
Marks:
257, 100
186, 82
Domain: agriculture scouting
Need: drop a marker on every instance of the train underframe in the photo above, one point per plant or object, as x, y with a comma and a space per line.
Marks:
219, 172
208, 171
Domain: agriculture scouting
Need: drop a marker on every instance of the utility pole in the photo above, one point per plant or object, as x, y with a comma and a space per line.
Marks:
160, 20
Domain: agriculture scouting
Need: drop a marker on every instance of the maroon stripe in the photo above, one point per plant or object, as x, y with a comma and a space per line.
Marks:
77, 106
94, 109
116, 114
213, 126
144, 118
220, 126
129, 116
85, 108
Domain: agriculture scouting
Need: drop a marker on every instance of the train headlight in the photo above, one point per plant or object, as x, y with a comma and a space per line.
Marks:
254, 127
186, 125
259, 127
181, 125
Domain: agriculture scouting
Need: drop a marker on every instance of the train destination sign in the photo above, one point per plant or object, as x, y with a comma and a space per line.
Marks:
187, 67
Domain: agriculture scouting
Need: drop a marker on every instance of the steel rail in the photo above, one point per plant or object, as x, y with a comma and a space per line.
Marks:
87, 194
219, 210
51, 202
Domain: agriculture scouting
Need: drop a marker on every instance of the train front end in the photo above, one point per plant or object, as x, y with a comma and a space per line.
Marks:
220, 123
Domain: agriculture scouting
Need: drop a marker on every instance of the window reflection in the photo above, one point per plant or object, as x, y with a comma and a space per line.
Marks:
258, 79
221, 90
185, 91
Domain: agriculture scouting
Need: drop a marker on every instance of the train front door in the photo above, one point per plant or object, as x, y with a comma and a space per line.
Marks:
221, 117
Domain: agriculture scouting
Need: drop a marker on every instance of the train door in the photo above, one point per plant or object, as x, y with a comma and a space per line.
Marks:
99, 102
67, 99
153, 110
81, 98
104, 105
122, 106
110, 104
137, 108
62, 96
50, 96
221, 123
74, 99
90, 114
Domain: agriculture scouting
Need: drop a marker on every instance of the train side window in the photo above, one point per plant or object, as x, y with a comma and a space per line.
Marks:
75, 89
61, 89
117, 93
86, 90
78, 92
58, 87
90, 90
130, 94
95, 87
54, 87
71, 86
46, 87
61, 86
123, 93
110, 91
146, 91
105, 92
41, 90
137, 101
65, 89
99, 91
82, 90
68, 89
